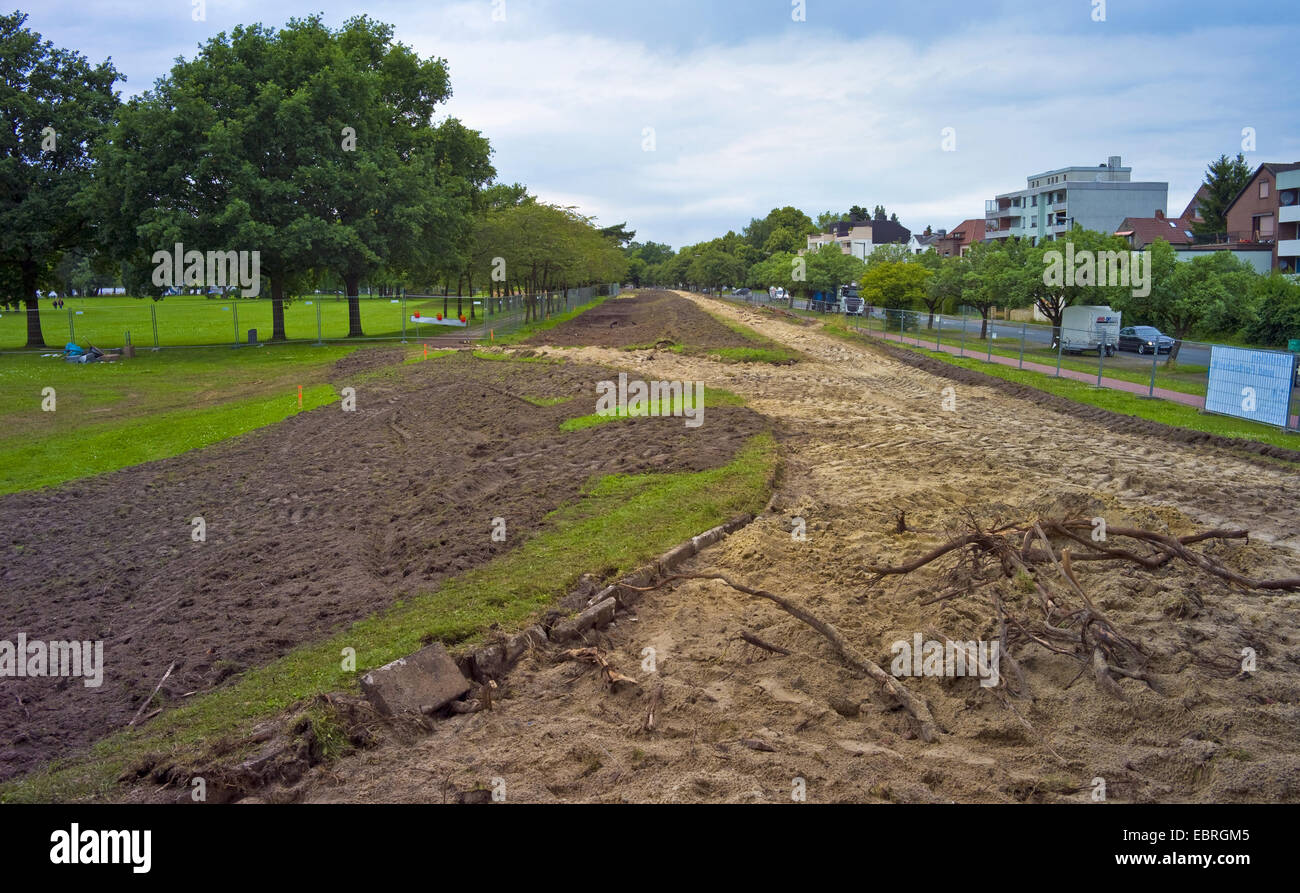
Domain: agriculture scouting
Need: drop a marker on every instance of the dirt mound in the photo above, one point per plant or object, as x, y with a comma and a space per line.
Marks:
644, 319
311, 524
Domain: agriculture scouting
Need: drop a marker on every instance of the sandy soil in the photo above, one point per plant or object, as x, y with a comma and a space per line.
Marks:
865, 436
312, 523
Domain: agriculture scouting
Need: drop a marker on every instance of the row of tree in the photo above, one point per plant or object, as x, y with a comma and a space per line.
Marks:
1211, 296
315, 147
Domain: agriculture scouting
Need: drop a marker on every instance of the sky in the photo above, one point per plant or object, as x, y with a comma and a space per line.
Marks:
687, 118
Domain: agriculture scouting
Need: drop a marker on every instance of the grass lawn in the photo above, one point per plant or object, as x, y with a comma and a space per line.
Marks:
621, 521
111, 415
712, 397
195, 319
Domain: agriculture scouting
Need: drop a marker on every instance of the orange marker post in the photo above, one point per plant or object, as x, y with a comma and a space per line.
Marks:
300, 396
426, 351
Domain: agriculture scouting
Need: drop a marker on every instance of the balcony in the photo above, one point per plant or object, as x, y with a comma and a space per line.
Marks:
1288, 248
1289, 214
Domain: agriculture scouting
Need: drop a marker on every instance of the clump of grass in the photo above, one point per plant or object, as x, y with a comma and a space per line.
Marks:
712, 397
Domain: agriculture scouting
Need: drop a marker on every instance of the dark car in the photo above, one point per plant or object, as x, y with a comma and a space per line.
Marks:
1145, 339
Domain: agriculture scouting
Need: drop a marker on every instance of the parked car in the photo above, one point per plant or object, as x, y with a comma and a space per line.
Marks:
1145, 339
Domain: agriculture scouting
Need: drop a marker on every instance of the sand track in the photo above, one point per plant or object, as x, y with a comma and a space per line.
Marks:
863, 437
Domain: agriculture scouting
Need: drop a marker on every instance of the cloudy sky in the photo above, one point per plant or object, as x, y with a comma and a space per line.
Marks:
686, 117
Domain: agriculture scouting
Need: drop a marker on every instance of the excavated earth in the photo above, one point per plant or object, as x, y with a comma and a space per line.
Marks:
864, 436
311, 524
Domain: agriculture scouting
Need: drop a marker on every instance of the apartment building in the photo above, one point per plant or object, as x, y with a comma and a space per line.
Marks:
861, 237
1097, 198
1267, 213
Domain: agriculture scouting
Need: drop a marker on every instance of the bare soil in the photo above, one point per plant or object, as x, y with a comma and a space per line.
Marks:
864, 436
644, 319
312, 523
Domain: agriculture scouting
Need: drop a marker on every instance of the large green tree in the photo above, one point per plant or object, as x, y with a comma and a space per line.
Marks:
54, 105
1225, 177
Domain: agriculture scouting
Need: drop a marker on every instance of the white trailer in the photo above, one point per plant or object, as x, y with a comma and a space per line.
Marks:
1090, 327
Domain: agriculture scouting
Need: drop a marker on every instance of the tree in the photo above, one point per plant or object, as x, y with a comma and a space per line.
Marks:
795, 224
889, 253
1276, 303
54, 106
716, 268
828, 268
944, 287
894, 285
826, 218
1046, 280
1225, 179
1190, 293
991, 279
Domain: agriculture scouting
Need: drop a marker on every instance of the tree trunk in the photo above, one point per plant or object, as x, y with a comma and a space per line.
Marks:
33, 301
277, 309
984, 322
350, 282
1173, 351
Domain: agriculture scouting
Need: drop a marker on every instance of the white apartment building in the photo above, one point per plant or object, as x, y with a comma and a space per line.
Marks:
1097, 198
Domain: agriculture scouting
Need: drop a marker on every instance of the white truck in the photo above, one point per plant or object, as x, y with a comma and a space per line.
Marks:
1090, 327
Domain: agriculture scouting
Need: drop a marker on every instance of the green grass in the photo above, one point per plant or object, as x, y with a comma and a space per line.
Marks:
621, 521
194, 319
765, 350
111, 415
546, 401
1164, 411
712, 397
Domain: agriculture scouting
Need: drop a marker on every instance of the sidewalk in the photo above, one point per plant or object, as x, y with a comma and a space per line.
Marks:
1131, 387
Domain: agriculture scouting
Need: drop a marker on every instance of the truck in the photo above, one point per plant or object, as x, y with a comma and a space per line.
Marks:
851, 303
1088, 327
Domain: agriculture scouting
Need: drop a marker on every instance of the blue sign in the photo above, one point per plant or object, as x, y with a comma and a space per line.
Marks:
1251, 384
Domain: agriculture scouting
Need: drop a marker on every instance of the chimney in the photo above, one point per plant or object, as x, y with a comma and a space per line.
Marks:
1113, 162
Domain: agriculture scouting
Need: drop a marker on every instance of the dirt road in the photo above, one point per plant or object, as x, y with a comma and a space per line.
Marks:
865, 437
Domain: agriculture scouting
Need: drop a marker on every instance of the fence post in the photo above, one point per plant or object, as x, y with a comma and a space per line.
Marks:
1101, 359
988, 342
319, 336
963, 334
1060, 346
403, 317
72, 328
1155, 355
1023, 327
234, 308
938, 336
153, 318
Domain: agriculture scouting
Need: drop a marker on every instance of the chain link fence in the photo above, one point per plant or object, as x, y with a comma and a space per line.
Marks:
205, 321
1119, 358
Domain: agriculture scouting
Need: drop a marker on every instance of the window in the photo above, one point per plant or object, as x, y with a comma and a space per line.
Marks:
1263, 189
